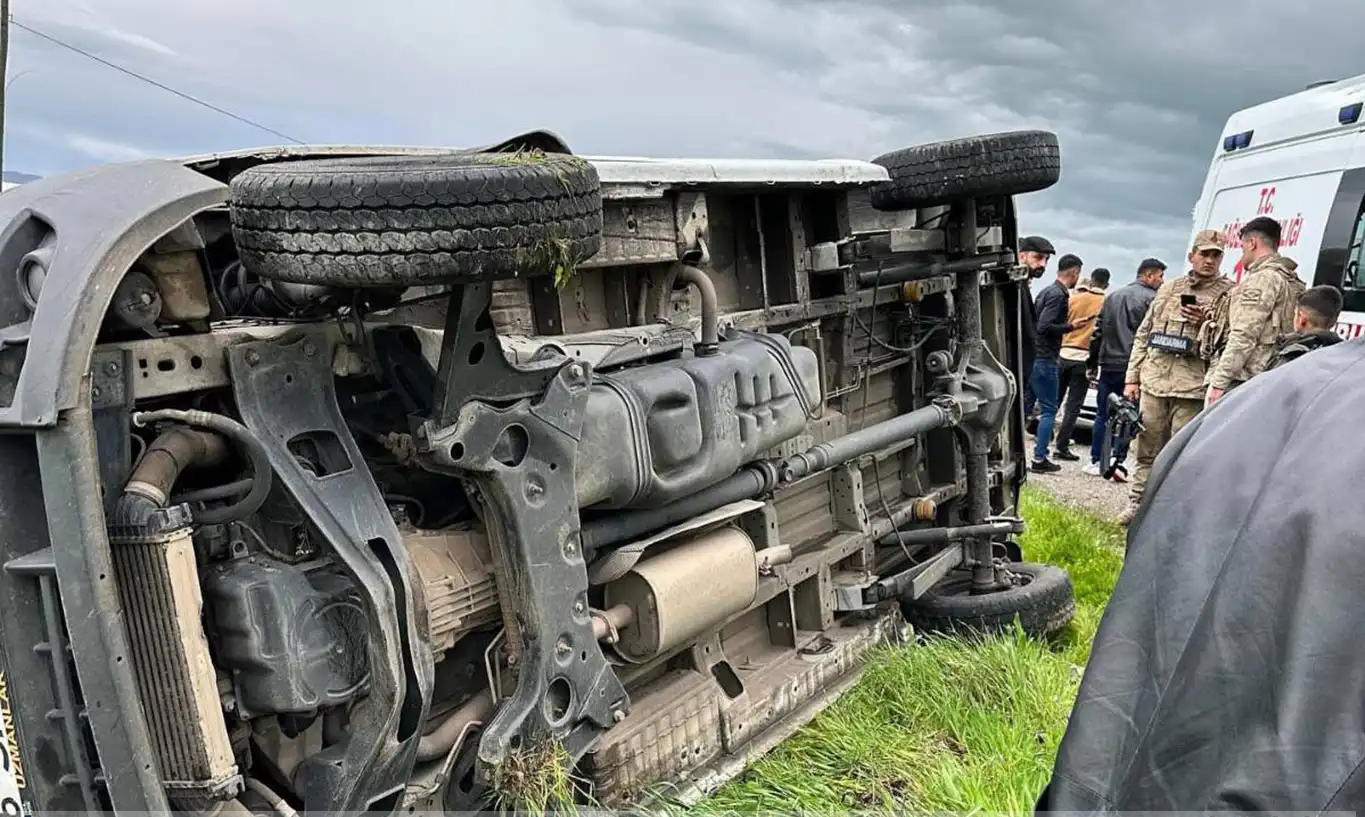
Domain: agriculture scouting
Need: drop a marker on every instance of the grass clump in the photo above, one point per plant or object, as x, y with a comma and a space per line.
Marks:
951, 724
536, 779
555, 253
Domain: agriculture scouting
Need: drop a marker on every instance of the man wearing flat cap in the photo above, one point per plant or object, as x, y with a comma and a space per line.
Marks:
1034, 253
1165, 372
1247, 322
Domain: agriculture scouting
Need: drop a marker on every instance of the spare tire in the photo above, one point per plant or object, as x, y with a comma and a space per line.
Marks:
997, 164
388, 221
1041, 598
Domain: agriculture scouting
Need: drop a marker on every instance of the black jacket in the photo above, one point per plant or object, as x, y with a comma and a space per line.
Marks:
1299, 344
1028, 331
1227, 673
1120, 317
1052, 305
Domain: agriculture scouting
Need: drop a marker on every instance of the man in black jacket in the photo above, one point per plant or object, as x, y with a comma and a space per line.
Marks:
1045, 379
1034, 253
1112, 345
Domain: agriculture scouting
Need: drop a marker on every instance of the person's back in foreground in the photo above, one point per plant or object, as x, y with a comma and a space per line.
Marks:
1317, 312
1227, 673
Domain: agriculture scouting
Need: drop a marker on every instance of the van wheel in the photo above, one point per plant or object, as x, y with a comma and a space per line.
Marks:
386, 221
997, 164
1041, 596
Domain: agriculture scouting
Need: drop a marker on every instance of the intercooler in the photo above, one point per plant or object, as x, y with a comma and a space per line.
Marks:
159, 590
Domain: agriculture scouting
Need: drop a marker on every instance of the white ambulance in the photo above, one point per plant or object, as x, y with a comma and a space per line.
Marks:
1299, 159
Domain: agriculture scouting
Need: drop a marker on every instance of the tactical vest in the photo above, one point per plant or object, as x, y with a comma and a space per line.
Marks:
1213, 335
1214, 332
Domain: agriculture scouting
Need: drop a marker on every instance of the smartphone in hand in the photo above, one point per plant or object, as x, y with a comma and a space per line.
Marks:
1190, 310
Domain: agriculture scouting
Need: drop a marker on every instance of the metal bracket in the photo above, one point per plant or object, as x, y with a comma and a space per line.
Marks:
473, 366
519, 462
285, 393
111, 397
916, 580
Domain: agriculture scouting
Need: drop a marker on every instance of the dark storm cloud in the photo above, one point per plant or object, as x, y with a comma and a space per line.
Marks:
1137, 92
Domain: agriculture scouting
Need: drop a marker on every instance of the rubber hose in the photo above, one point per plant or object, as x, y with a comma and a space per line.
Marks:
250, 447
223, 491
173, 452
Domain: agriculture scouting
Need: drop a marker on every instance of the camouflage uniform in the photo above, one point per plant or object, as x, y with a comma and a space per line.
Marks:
1241, 337
1166, 362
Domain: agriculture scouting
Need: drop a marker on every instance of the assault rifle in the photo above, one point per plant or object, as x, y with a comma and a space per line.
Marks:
1125, 421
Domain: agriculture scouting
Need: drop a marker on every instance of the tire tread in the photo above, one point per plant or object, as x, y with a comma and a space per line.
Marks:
415, 220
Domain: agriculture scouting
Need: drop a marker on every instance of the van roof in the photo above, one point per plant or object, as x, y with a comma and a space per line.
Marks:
1309, 112
613, 170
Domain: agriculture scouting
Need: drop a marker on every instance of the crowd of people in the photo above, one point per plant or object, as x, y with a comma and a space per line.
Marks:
1173, 347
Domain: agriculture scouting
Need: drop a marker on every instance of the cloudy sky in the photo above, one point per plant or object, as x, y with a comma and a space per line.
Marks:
1137, 92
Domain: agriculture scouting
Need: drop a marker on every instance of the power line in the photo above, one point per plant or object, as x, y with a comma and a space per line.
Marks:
151, 81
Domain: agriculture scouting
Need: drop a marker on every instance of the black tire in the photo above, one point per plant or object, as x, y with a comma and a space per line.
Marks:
997, 164
1043, 601
390, 221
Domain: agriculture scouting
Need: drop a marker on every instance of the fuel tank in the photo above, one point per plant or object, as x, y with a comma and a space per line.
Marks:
665, 430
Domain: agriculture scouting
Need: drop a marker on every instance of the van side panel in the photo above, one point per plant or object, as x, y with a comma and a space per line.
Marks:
1301, 205
1295, 184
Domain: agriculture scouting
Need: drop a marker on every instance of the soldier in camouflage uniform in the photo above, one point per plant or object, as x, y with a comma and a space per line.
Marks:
1240, 339
1165, 369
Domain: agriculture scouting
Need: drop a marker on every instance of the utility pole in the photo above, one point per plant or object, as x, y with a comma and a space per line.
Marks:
4, 75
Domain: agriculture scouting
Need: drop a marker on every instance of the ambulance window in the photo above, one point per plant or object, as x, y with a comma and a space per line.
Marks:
1355, 254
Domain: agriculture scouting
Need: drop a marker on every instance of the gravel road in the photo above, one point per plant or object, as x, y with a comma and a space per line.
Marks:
1071, 487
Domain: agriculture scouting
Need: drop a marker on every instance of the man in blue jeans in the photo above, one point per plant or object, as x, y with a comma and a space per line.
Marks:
1045, 379
1112, 345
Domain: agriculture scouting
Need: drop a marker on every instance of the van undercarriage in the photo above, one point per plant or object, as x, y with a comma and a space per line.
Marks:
349, 479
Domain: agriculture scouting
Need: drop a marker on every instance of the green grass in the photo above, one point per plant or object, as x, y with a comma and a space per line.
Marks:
950, 725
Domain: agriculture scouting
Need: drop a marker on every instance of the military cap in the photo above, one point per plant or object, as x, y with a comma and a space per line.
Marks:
1036, 243
1265, 225
1208, 240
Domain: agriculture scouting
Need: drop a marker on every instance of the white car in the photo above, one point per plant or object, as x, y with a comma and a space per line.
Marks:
1085, 423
